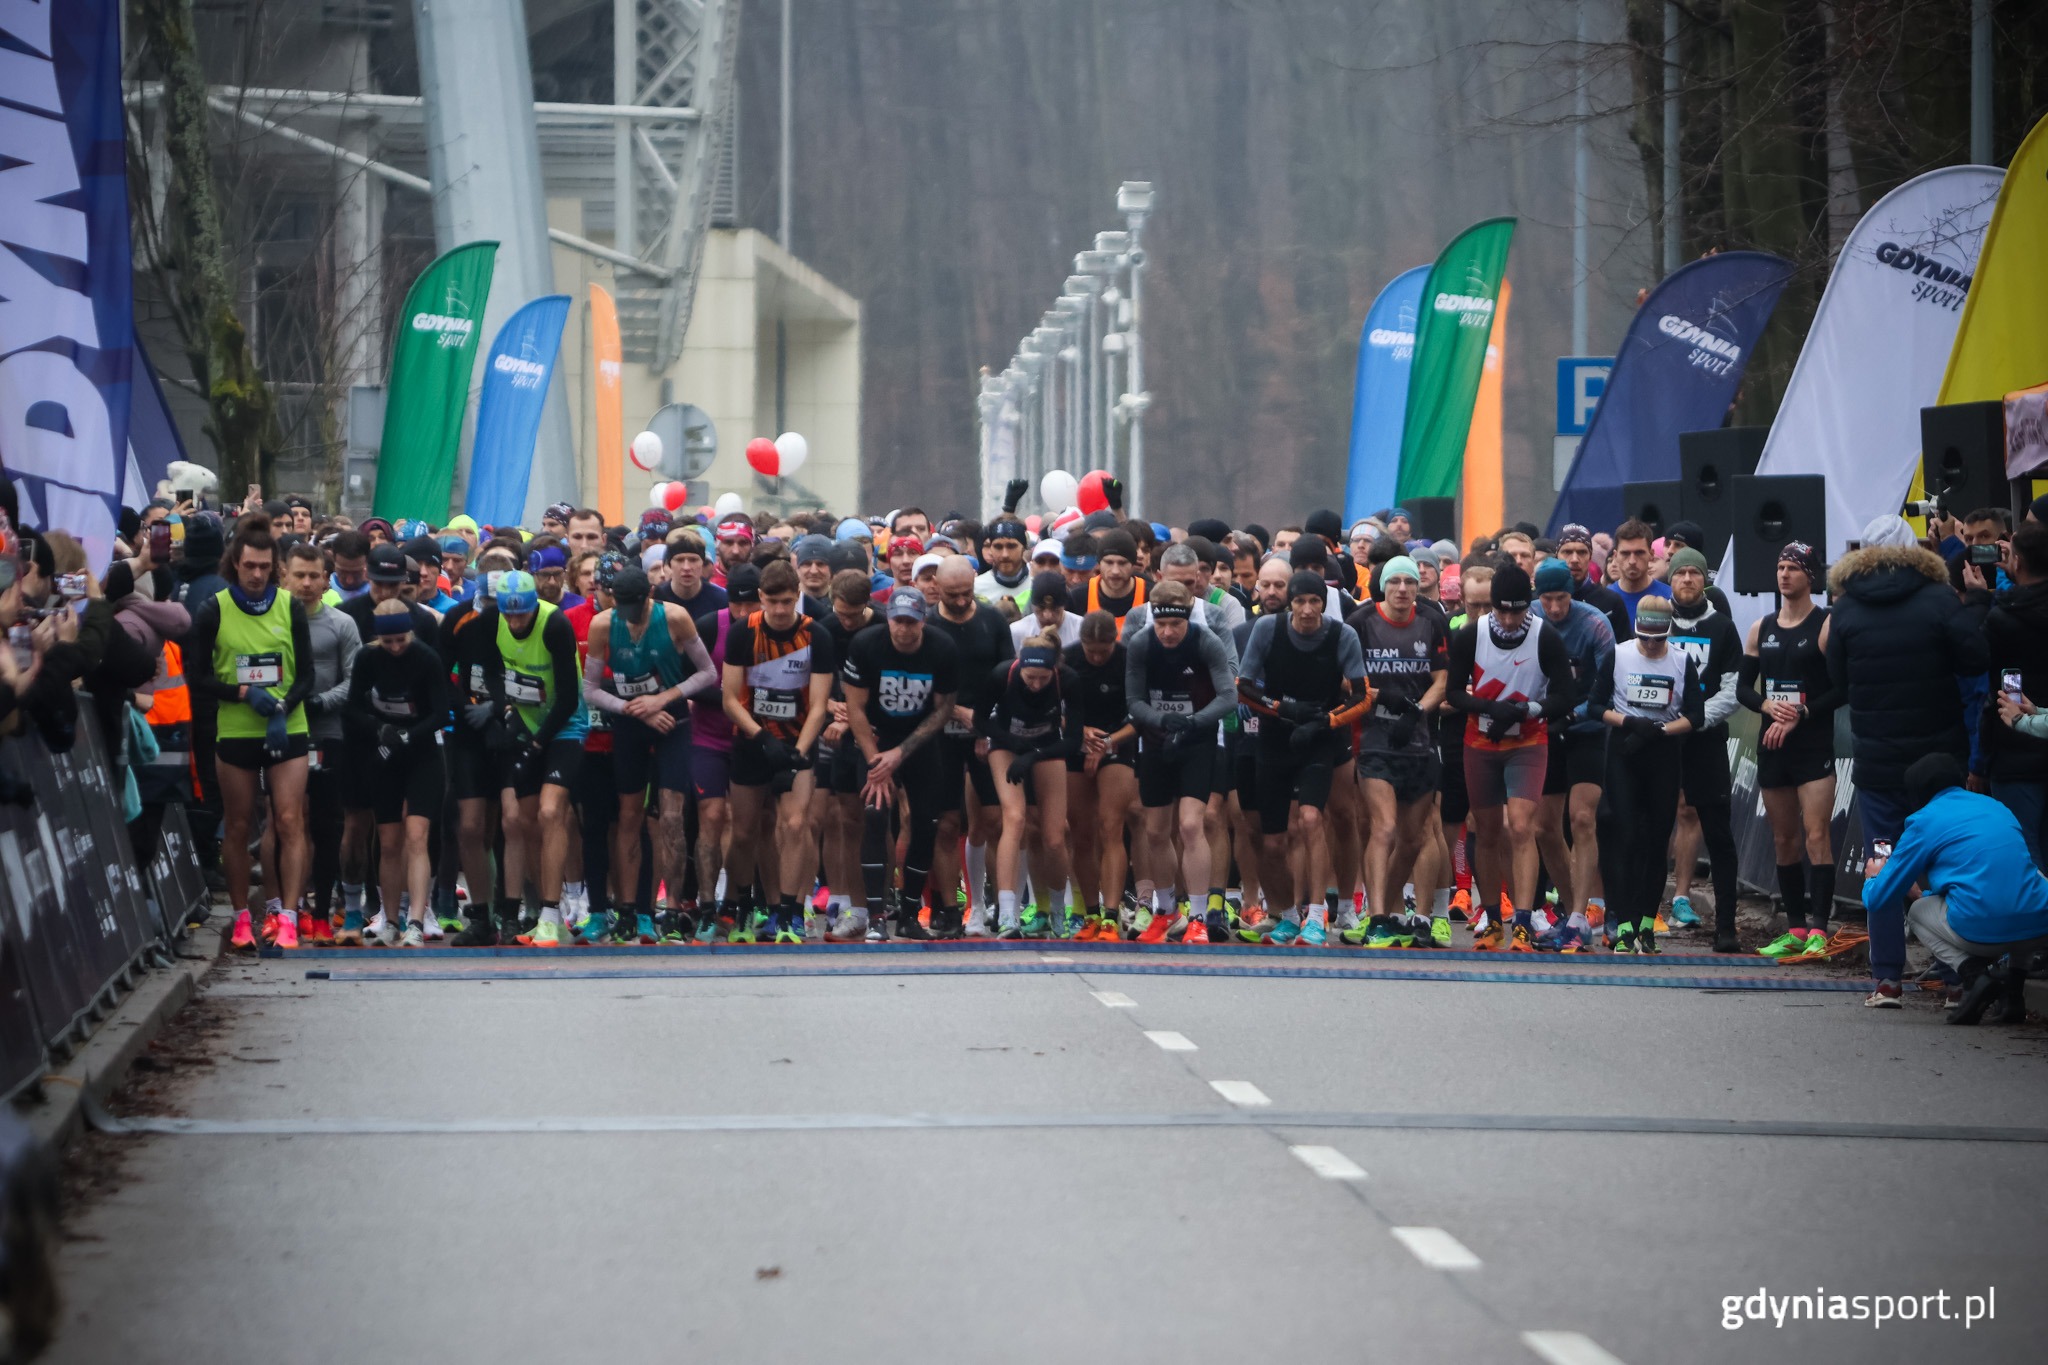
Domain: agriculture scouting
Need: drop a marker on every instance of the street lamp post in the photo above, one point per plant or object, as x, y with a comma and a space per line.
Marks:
1134, 200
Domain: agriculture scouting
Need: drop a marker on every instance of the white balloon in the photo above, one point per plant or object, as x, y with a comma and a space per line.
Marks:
729, 503
793, 449
1058, 488
646, 450
657, 495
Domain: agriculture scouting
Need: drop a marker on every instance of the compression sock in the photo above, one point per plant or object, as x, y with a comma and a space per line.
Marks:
352, 897
1792, 890
977, 875
1820, 895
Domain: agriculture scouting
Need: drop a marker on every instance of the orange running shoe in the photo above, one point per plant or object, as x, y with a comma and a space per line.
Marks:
1091, 925
1520, 941
1197, 932
1109, 931
1155, 932
1461, 904
270, 926
1485, 933
1507, 907
244, 935
316, 928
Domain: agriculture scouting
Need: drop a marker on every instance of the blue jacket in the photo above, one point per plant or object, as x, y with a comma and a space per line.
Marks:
1968, 848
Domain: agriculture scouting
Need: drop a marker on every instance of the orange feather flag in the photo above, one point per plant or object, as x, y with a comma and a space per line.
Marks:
1484, 499
607, 371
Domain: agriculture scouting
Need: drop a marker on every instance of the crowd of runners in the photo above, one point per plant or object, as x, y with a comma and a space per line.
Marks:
852, 729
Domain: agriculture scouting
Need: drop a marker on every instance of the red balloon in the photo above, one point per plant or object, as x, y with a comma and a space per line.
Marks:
765, 459
1033, 522
675, 495
1091, 497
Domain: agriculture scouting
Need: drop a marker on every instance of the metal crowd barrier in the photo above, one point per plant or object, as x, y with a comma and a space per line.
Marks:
78, 913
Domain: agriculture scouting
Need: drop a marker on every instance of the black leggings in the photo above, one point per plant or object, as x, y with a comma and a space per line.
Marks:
323, 828
1719, 836
1638, 807
919, 777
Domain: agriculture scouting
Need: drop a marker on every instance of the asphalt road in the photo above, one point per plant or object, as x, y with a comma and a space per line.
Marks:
1125, 1207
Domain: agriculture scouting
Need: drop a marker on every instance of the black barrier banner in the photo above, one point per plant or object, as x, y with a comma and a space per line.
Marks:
174, 874
1752, 827
73, 914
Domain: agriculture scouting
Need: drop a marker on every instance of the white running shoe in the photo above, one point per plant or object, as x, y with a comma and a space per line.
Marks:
379, 933
977, 922
414, 936
1347, 918
430, 927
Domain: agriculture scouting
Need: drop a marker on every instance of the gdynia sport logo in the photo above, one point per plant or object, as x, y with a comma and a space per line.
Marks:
1709, 352
1936, 284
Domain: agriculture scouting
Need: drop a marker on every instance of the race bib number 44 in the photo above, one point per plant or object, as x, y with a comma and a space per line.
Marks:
259, 670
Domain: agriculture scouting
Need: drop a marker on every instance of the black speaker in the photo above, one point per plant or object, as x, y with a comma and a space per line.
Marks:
1708, 462
1658, 501
1433, 518
1962, 456
1771, 509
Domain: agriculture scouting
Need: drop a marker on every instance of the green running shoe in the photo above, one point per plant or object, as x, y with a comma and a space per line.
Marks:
1393, 933
1787, 944
1816, 944
1440, 931
1035, 924
743, 932
788, 930
594, 927
1360, 936
1625, 940
1141, 918
707, 929
1646, 937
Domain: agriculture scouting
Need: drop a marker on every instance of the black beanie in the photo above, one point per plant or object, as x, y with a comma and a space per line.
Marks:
1325, 523
1116, 541
1511, 587
1306, 584
1211, 529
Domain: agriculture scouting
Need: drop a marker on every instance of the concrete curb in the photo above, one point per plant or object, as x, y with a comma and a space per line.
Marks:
101, 1064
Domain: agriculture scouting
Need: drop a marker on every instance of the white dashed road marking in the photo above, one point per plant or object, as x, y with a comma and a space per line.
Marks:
1170, 1041
1240, 1093
1048, 957
1329, 1163
1438, 1250
1568, 1348
1116, 1000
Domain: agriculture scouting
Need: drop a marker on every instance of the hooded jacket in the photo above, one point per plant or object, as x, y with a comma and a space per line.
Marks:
1898, 642
2016, 632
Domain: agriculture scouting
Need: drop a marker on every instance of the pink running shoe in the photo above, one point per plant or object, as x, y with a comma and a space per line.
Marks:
245, 931
288, 930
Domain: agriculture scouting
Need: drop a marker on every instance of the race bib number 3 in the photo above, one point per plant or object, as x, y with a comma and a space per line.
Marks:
524, 689
1648, 689
259, 670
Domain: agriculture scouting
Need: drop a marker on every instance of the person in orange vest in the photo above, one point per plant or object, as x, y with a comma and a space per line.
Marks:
1116, 586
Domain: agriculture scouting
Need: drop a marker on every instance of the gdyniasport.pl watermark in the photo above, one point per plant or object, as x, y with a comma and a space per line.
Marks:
1763, 1308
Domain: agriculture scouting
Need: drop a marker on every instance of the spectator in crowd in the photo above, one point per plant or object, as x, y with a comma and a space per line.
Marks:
1981, 895
1899, 642
2011, 764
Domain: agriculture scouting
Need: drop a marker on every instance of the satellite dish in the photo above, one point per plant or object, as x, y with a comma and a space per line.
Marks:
689, 440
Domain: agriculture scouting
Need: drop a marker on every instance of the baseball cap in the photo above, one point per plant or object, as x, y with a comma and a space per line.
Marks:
387, 564
1553, 575
1048, 549
629, 585
743, 584
812, 550
924, 562
517, 593
1653, 615
1049, 587
906, 604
